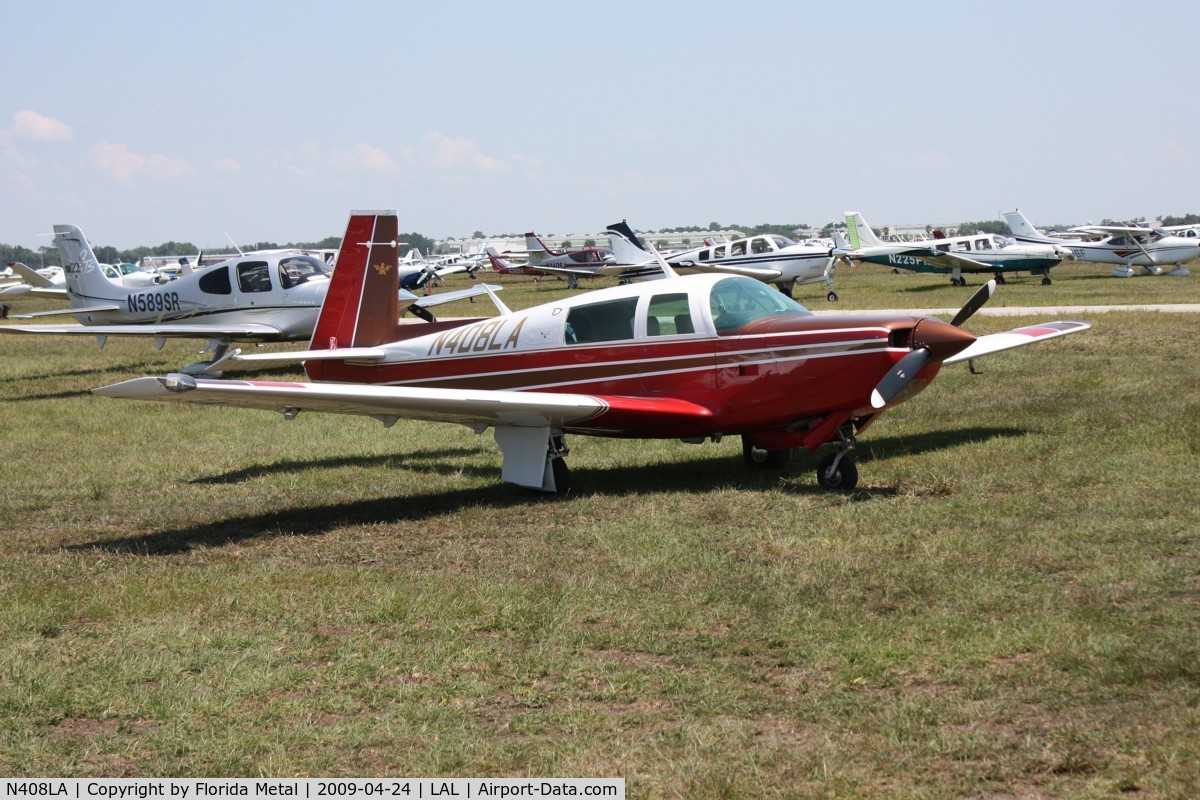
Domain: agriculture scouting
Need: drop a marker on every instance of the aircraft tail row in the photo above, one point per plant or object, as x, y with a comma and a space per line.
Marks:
1023, 230
362, 304
85, 279
860, 233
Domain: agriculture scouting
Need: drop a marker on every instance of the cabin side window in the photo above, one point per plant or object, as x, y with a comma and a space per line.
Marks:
704, 255
298, 269
736, 302
760, 246
216, 281
254, 276
737, 249
669, 315
718, 253
983, 244
609, 321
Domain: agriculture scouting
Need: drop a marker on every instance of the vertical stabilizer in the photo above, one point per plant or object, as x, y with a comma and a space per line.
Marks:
626, 246
85, 281
1022, 229
362, 306
860, 232
538, 252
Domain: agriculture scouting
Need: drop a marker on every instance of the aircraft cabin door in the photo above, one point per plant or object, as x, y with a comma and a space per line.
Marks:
675, 349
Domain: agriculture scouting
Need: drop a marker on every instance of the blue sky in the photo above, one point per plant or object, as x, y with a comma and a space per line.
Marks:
144, 122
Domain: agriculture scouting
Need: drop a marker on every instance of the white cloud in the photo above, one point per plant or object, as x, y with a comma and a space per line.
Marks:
1178, 151
124, 164
9, 157
456, 152
364, 156
227, 164
32, 125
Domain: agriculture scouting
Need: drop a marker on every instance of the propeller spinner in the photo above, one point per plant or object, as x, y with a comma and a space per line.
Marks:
931, 339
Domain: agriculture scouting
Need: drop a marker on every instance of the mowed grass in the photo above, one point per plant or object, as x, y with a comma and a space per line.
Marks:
1009, 606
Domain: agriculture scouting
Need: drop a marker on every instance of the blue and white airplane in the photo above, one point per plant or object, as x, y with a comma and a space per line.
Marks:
955, 255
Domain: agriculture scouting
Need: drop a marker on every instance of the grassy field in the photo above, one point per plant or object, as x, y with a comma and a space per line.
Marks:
1009, 606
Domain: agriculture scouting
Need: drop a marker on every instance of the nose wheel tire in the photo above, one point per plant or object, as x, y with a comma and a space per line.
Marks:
843, 477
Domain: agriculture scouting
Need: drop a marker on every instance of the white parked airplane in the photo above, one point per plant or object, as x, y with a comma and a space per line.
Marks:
253, 298
979, 252
770, 258
1129, 246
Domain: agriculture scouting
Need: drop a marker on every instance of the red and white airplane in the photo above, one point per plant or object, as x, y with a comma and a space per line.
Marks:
696, 357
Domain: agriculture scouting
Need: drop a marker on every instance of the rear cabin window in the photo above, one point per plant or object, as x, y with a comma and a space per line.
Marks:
216, 281
669, 315
254, 276
609, 321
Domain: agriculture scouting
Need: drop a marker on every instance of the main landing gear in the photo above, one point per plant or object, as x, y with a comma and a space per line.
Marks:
836, 472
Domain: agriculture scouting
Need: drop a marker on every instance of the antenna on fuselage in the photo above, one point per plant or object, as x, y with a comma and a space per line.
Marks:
235, 244
662, 262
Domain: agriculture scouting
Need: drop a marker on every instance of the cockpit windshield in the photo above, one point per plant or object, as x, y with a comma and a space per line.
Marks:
738, 301
295, 270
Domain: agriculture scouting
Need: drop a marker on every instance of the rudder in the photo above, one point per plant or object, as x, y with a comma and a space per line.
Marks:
362, 306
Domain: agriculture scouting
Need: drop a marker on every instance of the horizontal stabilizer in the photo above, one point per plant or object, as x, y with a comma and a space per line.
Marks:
747, 272
57, 312
236, 360
428, 301
165, 330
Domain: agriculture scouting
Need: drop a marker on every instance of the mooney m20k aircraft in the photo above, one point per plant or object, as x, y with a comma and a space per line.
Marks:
695, 357
980, 252
254, 298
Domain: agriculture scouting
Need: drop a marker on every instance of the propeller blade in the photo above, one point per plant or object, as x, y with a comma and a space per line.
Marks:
975, 303
898, 377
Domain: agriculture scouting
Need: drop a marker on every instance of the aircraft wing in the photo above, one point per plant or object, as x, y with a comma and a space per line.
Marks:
946, 260
1113, 230
473, 407
1018, 337
748, 272
32, 276
164, 330
459, 294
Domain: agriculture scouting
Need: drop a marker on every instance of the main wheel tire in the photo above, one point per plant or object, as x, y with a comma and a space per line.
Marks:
843, 479
831, 297
757, 458
562, 476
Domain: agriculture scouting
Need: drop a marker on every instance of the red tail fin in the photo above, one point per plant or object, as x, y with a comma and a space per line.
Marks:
361, 308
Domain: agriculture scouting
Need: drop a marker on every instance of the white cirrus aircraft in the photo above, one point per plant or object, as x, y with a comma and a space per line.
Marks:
272, 297
770, 258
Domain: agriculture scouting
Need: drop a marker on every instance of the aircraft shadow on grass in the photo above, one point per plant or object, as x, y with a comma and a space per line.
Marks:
719, 472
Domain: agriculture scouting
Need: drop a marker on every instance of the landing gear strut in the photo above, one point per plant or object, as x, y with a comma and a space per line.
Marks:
837, 472
556, 456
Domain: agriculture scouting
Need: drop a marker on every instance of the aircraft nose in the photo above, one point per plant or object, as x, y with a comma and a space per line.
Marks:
941, 339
